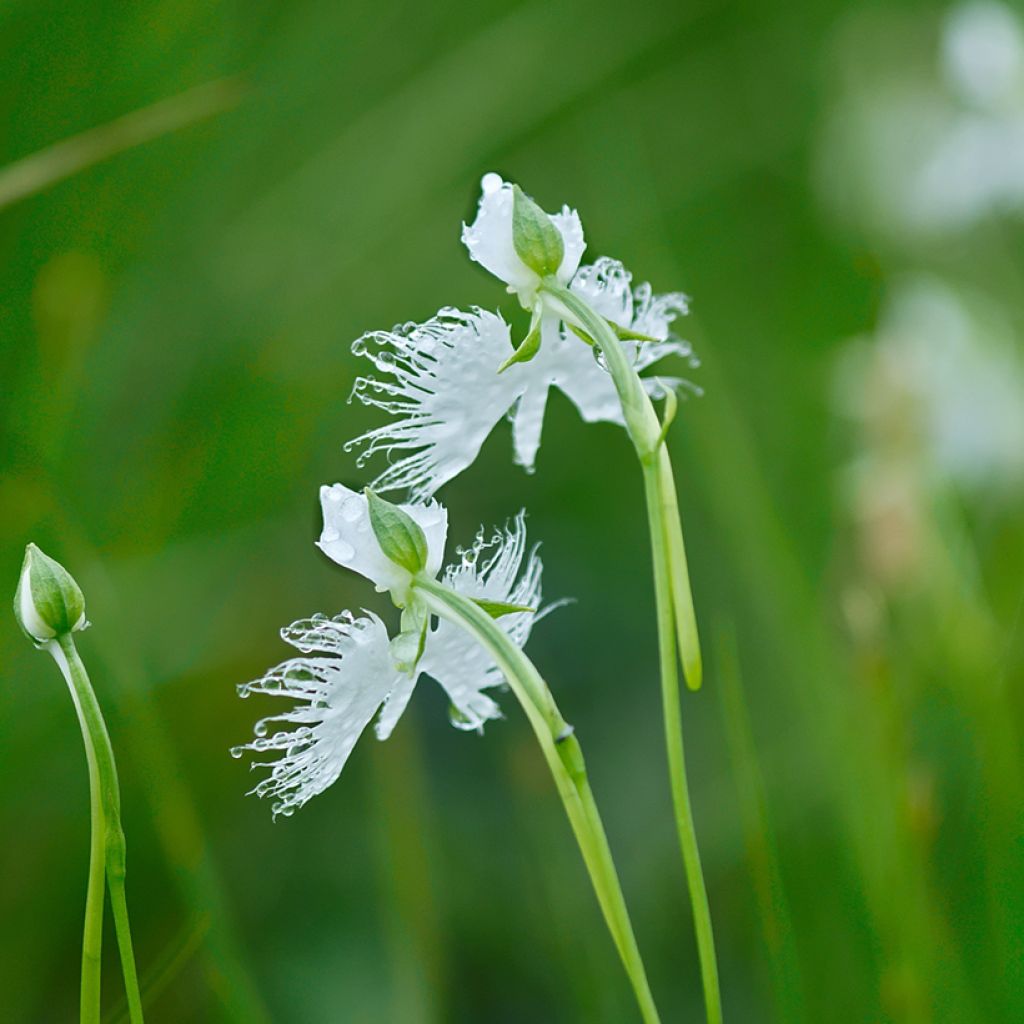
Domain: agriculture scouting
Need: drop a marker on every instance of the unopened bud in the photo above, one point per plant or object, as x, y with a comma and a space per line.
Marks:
48, 602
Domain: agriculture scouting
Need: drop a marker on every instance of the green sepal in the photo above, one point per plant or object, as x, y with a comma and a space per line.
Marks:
667, 416
580, 333
54, 597
538, 243
496, 609
398, 534
528, 348
627, 333
622, 333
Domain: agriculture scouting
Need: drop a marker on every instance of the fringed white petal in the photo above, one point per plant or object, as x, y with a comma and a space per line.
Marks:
492, 569
348, 537
445, 392
606, 285
337, 695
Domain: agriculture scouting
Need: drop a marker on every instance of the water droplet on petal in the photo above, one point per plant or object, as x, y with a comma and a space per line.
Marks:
342, 551
352, 510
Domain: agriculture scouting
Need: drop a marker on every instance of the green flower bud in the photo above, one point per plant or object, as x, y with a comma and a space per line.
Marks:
399, 535
48, 602
538, 243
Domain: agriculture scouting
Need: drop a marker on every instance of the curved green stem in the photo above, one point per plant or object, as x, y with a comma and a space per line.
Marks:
564, 756
92, 939
108, 845
677, 624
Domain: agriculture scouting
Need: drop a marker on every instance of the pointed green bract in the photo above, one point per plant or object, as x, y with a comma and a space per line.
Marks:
398, 534
628, 334
48, 602
528, 348
538, 243
496, 609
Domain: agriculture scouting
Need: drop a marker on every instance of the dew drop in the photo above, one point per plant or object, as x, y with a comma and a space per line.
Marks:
237, 752
343, 551
352, 510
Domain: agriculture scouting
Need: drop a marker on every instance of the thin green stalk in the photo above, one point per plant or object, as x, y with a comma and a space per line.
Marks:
106, 820
674, 746
646, 433
677, 624
92, 939
562, 752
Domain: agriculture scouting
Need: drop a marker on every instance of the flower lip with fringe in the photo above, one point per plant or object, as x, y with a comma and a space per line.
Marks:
445, 393
347, 673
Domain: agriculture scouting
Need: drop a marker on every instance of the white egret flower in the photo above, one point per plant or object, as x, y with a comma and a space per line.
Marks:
446, 394
490, 243
349, 540
352, 675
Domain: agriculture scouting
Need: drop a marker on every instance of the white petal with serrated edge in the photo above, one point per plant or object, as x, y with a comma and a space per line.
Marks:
443, 389
338, 693
492, 570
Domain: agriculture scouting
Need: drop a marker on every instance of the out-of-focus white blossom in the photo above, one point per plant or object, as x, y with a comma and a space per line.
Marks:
940, 384
917, 151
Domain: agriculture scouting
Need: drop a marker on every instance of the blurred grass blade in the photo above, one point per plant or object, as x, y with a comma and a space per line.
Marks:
758, 835
40, 170
171, 962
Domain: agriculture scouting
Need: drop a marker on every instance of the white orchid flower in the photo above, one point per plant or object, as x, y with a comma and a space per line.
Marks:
352, 674
349, 540
446, 393
490, 243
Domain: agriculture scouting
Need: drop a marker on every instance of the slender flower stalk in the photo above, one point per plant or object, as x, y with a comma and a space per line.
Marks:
564, 757
50, 608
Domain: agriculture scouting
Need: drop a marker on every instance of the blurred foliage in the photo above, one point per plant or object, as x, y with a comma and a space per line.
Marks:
175, 367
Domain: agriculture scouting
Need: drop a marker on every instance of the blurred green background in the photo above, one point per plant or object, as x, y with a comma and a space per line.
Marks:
175, 324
